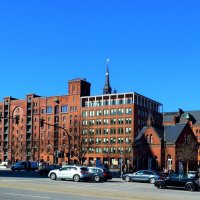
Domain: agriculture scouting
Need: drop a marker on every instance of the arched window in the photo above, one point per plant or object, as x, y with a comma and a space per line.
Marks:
148, 139
151, 139
169, 162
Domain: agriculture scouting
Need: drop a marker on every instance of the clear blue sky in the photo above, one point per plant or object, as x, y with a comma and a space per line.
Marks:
153, 46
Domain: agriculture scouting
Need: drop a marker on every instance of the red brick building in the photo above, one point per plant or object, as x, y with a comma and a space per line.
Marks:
113, 121
192, 117
170, 147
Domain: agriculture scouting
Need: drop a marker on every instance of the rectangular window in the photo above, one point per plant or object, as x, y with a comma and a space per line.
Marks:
113, 131
49, 109
112, 121
105, 131
105, 121
113, 102
98, 122
84, 122
112, 140
98, 150
128, 130
112, 150
84, 131
98, 112
91, 122
120, 120
120, 140
98, 131
64, 108
105, 112
84, 114
128, 140
113, 112
91, 113
128, 120
120, 130
120, 111
128, 111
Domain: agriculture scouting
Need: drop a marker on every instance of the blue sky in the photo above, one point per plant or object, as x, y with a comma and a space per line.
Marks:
153, 46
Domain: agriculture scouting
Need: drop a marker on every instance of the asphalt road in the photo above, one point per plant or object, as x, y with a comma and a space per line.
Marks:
29, 186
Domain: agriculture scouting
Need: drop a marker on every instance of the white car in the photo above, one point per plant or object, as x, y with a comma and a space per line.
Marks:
70, 172
4, 163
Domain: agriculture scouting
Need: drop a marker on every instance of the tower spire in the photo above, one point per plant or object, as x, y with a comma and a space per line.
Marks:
107, 89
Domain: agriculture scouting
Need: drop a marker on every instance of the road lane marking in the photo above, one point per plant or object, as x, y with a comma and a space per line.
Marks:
23, 195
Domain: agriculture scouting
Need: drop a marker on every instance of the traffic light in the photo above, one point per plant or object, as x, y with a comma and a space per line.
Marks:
17, 119
42, 122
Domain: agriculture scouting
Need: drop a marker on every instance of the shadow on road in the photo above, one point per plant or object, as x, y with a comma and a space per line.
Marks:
19, 174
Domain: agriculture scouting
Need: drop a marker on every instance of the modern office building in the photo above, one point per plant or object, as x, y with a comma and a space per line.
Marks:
110, 122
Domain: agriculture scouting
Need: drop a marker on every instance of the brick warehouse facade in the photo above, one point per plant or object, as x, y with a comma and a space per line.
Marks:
113, 120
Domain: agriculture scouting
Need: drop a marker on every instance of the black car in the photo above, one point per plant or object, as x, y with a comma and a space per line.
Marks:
47, 168
178, 181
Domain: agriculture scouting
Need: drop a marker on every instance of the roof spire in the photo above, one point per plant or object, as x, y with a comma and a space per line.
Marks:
107, 89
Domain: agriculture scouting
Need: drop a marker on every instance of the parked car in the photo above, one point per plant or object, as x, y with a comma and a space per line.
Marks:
4, 163
107, 174
24, 165
46, 169
71, 172
143, 176
178, 181
97, 173
100, 174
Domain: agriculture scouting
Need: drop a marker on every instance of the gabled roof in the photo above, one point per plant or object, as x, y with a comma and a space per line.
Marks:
141, 133
172, 132
194, 116
158, 130
169, 133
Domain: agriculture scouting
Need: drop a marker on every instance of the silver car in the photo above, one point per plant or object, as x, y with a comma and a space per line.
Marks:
143, 176
70, 172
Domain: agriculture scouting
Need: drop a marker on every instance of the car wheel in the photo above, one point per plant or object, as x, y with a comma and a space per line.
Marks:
127, 178
97, 178
152, 180
190, 187
53, 176
76, 178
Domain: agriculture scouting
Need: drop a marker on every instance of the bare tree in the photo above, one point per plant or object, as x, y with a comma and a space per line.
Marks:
82, 140
18, 147
187, 152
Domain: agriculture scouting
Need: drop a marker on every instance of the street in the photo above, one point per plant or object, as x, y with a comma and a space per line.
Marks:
29, 185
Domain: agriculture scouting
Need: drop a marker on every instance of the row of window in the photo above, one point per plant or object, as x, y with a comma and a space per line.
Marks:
107, 112
108, 102
112, 140
111, 150
107, 131
112, 121
57, 109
